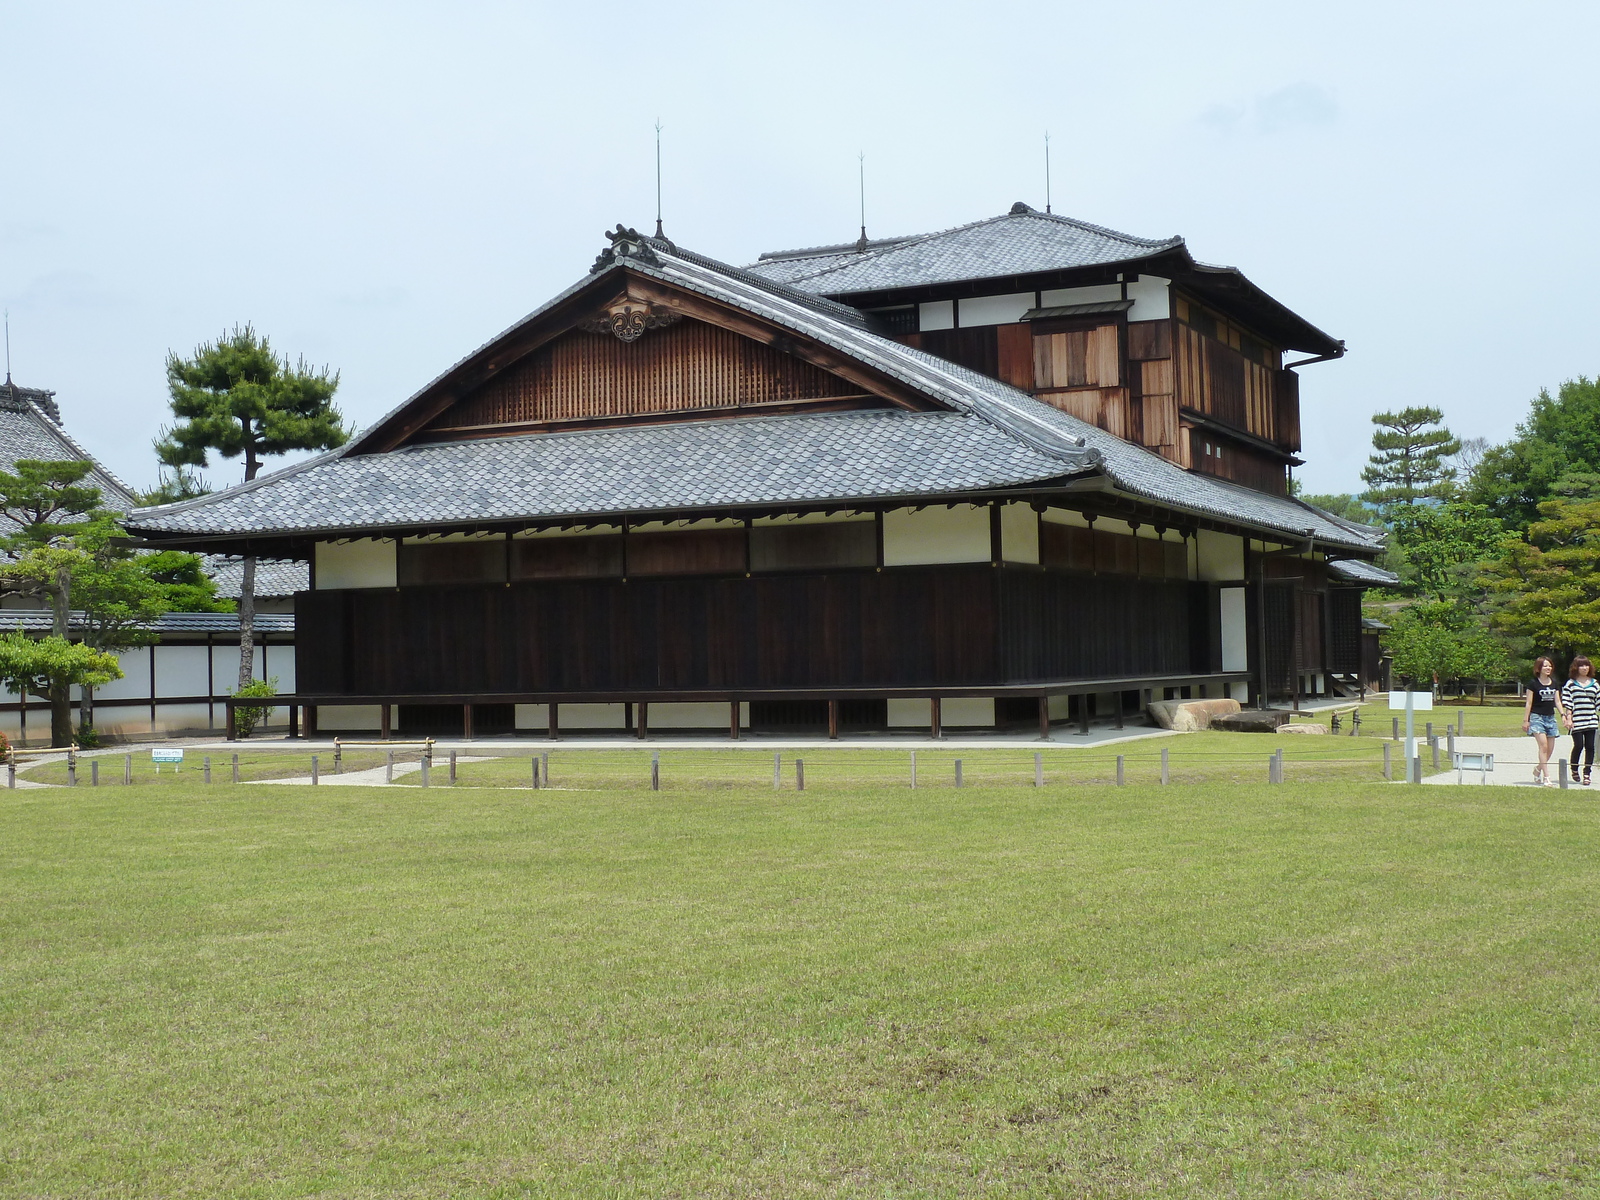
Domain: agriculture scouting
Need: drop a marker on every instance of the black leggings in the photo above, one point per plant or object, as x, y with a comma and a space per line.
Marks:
1582, 744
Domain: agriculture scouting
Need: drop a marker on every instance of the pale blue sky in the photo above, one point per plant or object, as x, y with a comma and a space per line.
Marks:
383, 187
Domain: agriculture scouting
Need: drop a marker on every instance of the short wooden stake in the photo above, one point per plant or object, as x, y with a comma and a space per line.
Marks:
800, 774
1561, 772
207, 768
958, 772
314, 779
1166, 774
235, 767
72, 771
11, 775
535, 768
1038, 769
1416, 769
913, 770
338, 759
936, 717
452, 767
1394, 729
544, 768
655, 771
1121, 764
94, 772
1433, 744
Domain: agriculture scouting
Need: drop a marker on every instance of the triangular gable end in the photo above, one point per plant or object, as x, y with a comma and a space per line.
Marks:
639, 351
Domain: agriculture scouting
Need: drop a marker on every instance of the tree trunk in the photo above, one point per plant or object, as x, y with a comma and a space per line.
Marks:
86, 709
247, 623
247, 588
60, 691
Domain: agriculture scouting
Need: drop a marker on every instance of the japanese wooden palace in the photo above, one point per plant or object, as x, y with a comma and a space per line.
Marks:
1021, 471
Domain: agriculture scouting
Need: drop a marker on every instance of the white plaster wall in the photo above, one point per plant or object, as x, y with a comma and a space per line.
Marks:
995, 310
365, 563
363, 718
531, 716
594, 716
1235, 630
937, 314
963, 711
1097, 294
1151, 296
1058, 707
181, 671
136, 675
957, 534
1221, 555
710, 715
1019, 533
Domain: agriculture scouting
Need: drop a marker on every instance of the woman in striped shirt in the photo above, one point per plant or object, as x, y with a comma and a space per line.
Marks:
1580, 696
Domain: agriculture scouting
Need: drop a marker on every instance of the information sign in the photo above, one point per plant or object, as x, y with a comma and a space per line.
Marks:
1420, 701
164, 756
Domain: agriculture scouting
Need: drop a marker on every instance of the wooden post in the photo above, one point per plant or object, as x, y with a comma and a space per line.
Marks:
452, 766
655, 771
643, 729
11, 773
1044, 718
384, 724
208, 768
311, 720
833, 720
544, 768
1117, 696
1166, 776
427, 766
294, 721
535, 769
1120, 763
94, 772
733, 720
314, 771
1083, 712
233, 727
936, 717
958, 772
235, 768
127, 769
913, 770
800, 774
1038, 769
555, 720
466, 722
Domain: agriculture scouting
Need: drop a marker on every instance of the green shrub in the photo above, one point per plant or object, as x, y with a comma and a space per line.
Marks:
246, 719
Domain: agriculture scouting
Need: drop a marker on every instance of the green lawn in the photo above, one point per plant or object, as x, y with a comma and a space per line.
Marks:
1320, 989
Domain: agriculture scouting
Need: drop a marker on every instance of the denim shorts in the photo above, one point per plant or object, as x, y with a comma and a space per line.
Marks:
1540, 723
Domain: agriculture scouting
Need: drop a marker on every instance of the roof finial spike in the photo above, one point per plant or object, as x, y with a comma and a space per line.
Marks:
1047, 170
8, 347
659, 233
861, 179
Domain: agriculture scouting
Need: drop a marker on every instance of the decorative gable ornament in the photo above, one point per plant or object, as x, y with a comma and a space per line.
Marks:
628, 319
626, 244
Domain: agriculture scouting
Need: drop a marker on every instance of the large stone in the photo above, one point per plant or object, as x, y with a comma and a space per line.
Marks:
1303, 729
1185, 716
1255, 720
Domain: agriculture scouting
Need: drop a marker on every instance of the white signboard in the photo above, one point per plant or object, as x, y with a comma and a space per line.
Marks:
1420, 701
162, 756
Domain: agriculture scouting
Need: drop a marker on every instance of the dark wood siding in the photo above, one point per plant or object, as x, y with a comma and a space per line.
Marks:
937, 627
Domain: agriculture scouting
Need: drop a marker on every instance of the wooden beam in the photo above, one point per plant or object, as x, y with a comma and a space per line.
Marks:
733, 720
1044, 718
466, 721
643, 729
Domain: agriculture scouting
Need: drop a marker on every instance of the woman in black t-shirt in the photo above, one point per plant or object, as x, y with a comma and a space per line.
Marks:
1540, 714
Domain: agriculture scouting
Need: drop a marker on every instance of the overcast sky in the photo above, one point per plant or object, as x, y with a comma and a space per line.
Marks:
383, 187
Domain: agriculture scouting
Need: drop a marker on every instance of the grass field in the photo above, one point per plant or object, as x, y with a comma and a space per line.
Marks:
1319, 989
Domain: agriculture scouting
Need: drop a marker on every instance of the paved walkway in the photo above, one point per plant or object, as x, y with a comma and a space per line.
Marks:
374, 776
1514, 759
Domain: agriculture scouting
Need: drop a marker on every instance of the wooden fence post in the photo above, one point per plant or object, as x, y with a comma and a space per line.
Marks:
1166, 775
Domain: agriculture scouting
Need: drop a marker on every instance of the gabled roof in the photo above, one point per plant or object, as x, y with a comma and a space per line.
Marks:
1020, 242
974, 434
276, 578
30, 427
1025, 242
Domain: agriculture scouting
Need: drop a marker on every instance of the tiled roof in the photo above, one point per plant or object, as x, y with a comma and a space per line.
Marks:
31, 620
990, 436
275, 577
1021, 242
1355, 570
27, 430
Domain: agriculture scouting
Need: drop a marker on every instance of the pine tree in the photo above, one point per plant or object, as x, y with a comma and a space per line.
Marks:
1408, 460
236, 397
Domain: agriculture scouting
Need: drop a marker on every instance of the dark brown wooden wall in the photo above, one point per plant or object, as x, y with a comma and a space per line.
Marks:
944, 626
687, 366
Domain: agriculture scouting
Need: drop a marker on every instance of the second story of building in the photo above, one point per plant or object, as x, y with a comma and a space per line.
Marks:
1131, 334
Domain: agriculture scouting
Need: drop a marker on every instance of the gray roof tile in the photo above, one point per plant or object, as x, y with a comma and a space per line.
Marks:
993, 436
1021, 242
27, 431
